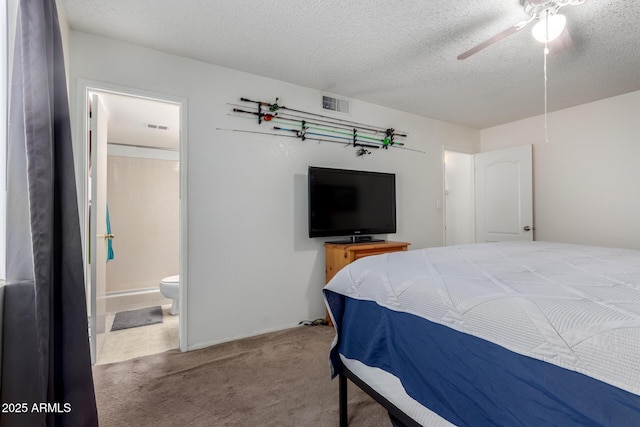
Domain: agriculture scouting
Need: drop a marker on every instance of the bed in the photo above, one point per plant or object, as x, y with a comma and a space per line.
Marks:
492, 334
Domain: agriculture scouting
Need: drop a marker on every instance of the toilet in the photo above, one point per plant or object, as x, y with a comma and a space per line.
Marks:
170, 288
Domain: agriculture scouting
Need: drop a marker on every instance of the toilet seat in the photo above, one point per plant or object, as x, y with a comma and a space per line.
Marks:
171, 279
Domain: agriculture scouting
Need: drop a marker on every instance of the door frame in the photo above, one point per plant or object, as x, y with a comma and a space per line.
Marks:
81, 144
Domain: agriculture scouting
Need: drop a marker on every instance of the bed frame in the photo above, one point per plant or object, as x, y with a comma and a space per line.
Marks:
398, 418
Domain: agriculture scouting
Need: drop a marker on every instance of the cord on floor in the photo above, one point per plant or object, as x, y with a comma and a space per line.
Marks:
313, 322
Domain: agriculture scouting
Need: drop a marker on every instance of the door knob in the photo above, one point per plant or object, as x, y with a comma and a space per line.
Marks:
526, 228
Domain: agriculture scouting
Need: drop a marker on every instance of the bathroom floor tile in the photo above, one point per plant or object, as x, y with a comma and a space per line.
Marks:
135, 342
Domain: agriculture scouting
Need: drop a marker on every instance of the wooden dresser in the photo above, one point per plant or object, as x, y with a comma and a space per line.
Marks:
339, 255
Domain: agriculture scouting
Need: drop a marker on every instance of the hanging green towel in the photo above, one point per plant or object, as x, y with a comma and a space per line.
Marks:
110, 254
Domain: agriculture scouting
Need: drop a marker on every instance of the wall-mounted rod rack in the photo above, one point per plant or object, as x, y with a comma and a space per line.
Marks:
305, 127
313, 121
275, 108
317, 127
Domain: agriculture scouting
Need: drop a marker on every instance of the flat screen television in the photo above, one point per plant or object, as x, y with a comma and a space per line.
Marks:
351, 203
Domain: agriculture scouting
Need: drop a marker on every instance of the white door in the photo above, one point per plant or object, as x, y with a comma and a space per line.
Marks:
97, 224
504, 195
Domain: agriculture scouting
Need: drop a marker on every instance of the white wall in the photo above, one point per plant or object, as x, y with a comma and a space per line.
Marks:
251, 266
12, 20
144, 204
586, 177
64, 35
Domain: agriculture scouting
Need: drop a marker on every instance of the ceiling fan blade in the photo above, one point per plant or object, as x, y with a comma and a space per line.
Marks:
561, 43
494, 39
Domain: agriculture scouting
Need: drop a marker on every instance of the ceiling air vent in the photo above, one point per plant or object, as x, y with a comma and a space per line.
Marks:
335, 104
160, 127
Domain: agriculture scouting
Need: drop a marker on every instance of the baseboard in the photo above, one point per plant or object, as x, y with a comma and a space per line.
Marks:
200, 346
124, 301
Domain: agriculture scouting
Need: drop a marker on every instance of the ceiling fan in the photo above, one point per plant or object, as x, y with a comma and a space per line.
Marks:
549, 28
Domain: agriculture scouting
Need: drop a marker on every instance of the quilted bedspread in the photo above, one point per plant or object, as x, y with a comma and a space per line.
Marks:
577, 307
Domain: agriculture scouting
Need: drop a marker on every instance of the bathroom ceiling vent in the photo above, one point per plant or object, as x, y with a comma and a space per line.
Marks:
159, 127
335, 104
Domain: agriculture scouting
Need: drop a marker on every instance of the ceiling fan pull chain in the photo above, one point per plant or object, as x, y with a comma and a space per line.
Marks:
546, 52
546, 134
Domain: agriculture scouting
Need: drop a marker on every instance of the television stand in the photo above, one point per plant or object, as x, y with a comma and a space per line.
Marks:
355, 239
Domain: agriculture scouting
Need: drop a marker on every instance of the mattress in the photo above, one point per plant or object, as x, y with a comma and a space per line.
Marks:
547, 324
390, 387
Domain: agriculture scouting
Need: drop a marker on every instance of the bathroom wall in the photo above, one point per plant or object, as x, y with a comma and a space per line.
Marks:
143, 200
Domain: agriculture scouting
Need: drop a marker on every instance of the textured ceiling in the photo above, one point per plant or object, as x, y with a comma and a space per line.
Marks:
129, 119
400, 54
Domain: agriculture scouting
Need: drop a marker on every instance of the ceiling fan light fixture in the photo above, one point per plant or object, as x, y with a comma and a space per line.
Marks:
549, 27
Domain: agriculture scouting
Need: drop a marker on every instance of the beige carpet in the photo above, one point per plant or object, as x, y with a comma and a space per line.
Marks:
277, 379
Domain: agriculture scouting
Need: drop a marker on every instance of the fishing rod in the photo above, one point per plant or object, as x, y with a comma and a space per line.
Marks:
302, 134
354, 137
275, 108
354, 144
354, 133
282, 114
277, 119
357, 144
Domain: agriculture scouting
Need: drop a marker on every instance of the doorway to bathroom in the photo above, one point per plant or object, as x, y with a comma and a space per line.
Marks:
134, 216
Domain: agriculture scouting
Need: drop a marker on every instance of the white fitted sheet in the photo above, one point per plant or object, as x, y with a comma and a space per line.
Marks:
391, 389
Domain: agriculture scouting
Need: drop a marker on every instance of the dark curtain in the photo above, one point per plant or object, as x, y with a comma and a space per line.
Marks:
46, 364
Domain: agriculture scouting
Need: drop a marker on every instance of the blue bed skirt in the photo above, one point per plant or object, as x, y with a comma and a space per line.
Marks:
470, 381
